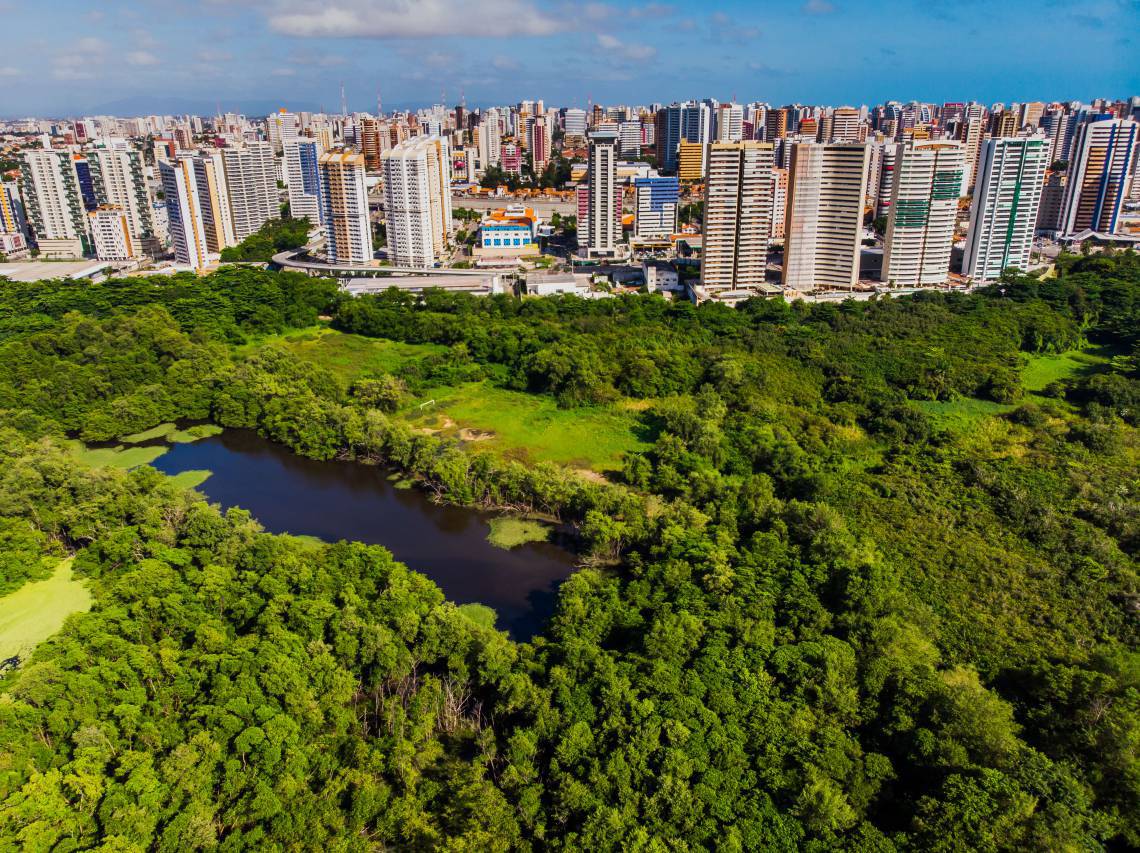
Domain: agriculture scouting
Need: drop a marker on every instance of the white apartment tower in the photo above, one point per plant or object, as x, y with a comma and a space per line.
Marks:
490, 139
599, 230
924, 205
214, 201
738, 215
117, 174
1003, 213
111, 234
417, 200
251, 182
823, 225
54, 203
184, 213
1099, 173
344, 205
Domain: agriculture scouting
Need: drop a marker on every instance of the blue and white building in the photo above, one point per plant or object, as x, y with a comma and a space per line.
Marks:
656, 207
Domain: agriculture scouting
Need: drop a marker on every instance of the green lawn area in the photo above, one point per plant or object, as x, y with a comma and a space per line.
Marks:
38, 609
525, 426
510, 531
116, 457
351, 356
190, 479
963, 412
1042, 370
532, 427
160, 431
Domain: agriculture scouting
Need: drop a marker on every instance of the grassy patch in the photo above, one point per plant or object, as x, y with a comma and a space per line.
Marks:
313, 542
511, 531
149, 435
190, 479
38, 609
480, 614
185, 436
532, 427
116, 457
1041, 371
352, 356
963, 412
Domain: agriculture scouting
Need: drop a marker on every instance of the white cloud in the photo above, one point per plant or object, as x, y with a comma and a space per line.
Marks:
504, 63
639, 52
818, 7
141, 57
207, 54
283, 72
396, 19
9, 71
79, 61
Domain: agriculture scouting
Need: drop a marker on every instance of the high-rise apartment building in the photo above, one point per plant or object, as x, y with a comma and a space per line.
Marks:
776, 124
846, 126
183, 212
417, 201
691, 161
251, 181
538, 141
1031, 113
344, 206
973, 135
779, 203
214, 201
54, 203
886, 184
823, 226
1003, 214
729, 123
924, 204
656, 207
303, 178
12, 219
282, 128
490, 140
738, 216
1004, 123
629, 137
600, 231
1052, 203
574, 122
1102, 157
111, 234
120, 182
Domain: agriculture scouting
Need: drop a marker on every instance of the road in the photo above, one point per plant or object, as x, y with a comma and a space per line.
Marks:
542, 207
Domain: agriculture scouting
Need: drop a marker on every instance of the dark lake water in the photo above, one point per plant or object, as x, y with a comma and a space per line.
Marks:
344, 500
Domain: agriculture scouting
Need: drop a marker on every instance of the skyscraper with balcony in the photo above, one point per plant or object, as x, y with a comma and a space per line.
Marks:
54, 203
601, 198
344, 208
417, 201
924, 204
183, 212
1003, 214
1102, 157
823, 225
738, 214
119, 181
214, 200
251, 183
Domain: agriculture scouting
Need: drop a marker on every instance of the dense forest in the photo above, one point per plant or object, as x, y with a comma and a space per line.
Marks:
813, 615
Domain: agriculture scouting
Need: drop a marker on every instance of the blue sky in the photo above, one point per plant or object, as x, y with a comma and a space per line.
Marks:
65, 57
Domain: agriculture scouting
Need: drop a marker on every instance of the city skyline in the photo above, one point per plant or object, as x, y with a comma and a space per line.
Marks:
141, 57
